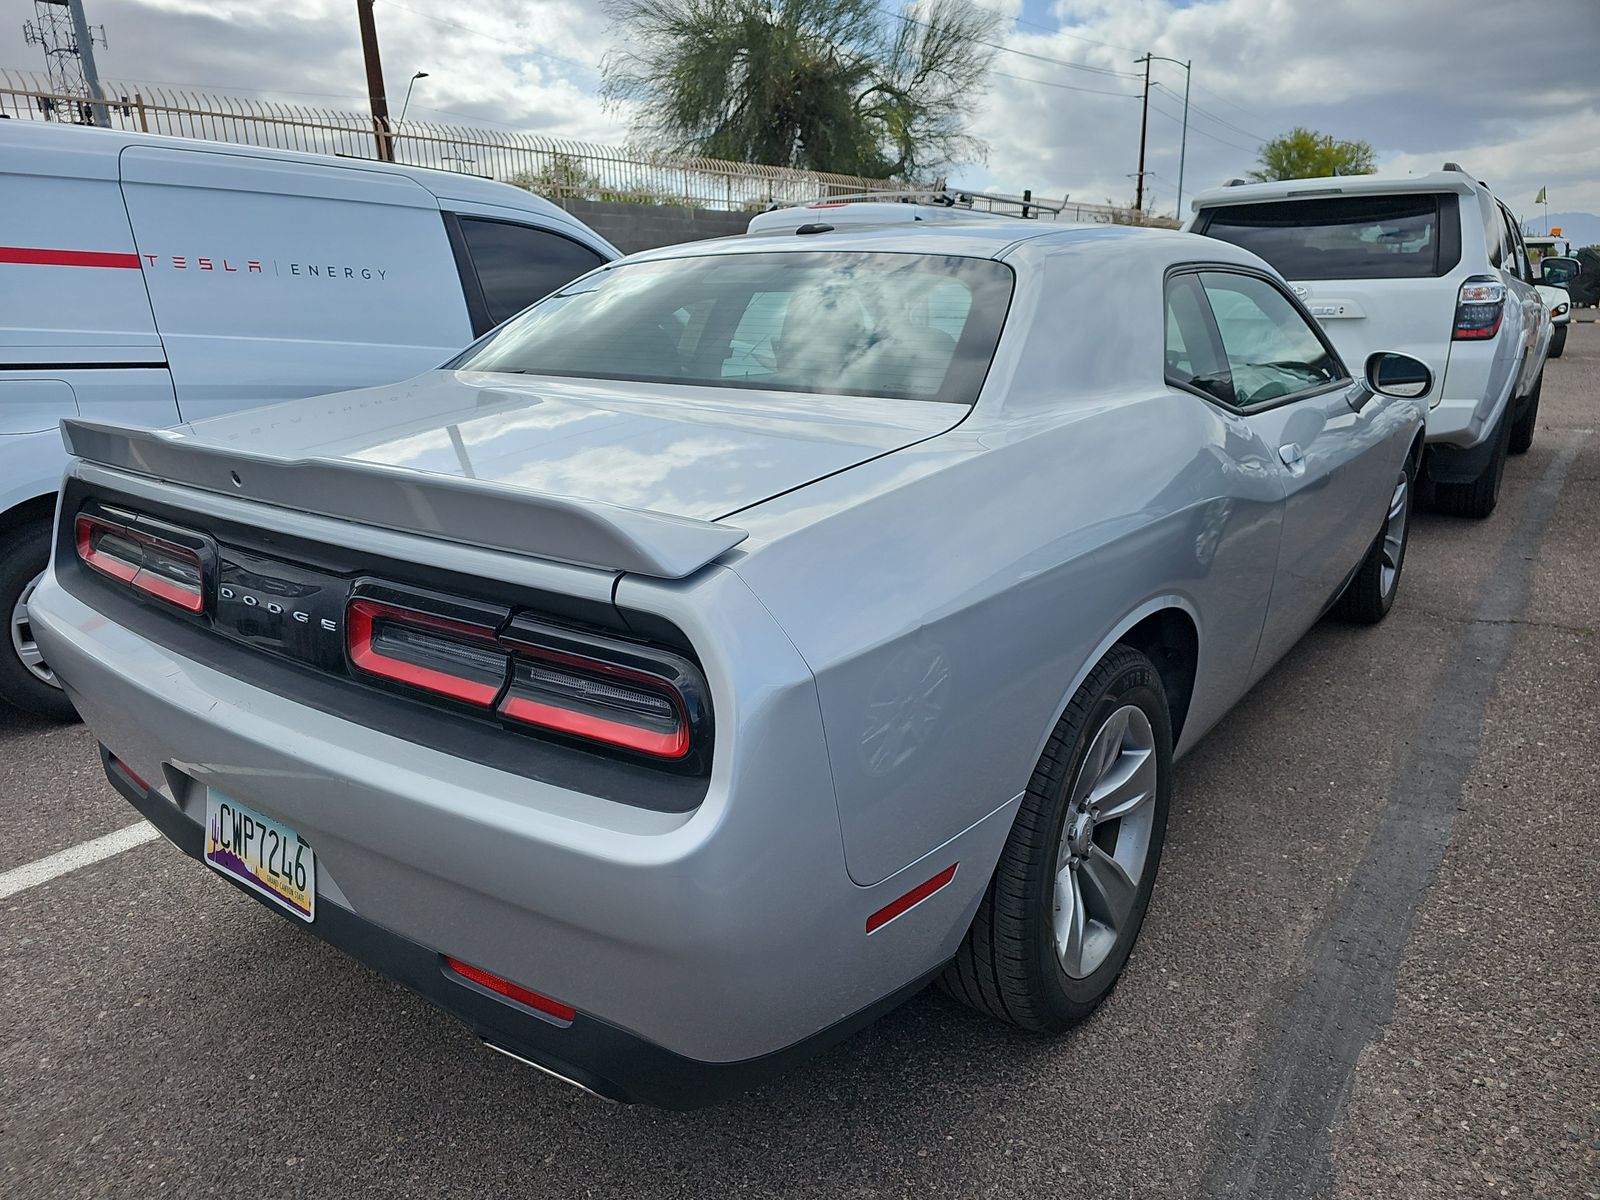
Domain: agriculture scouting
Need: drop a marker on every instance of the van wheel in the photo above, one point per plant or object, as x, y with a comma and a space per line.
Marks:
1522, 431
1069, 895
25, 678
1478, 498
1368, 597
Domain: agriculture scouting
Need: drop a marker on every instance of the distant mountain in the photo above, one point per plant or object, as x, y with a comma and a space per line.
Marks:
1579, 228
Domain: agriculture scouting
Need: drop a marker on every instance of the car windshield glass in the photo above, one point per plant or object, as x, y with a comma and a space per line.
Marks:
906, 326
1346, 237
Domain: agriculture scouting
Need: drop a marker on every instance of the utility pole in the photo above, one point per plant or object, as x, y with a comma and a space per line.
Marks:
62, 30
1144, 124
380, 103
1183, 146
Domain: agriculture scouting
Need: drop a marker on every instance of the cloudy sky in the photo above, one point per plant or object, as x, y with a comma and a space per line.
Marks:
1506, 89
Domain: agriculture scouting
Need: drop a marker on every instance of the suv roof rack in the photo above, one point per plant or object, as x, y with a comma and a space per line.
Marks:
1024, 207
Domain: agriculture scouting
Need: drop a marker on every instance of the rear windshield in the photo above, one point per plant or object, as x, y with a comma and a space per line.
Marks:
905, 326
1346, 237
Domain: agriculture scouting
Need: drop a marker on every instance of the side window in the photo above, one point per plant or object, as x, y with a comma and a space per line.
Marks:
517, 264
1272, 351
1517, 261
1494, 234
1193, 355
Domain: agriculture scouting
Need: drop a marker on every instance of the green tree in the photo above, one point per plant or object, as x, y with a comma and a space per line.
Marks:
826, 85
1306, 154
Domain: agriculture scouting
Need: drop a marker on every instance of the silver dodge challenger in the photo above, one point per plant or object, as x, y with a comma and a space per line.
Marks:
742, 637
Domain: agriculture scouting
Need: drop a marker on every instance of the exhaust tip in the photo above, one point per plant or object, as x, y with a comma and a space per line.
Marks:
550, 1071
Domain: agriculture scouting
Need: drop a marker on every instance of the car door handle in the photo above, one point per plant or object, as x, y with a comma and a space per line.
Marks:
1293, 457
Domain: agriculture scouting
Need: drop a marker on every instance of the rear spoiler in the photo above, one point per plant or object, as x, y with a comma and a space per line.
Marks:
583, 532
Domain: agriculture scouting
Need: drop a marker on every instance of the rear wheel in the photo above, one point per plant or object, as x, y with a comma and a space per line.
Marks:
26, 679
1069, 895
1558, 341
1370, 595
1478, 498
1522, 431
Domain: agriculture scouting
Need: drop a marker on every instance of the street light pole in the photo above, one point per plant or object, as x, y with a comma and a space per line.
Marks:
407, 102
1183, 146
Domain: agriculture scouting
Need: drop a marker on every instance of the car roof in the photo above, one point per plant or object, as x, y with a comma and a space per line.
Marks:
73, 142
980, 238
1336, 185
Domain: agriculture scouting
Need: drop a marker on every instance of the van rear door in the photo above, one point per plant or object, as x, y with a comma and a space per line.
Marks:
1370, 267
273, 278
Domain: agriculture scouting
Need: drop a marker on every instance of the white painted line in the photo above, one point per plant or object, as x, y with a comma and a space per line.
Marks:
20, 879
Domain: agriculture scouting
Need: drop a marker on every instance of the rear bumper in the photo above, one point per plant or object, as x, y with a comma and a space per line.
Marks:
692, 945
1476, 387
591, 1053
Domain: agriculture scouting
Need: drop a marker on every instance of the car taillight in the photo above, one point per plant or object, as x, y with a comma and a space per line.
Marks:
448, 657
533, 675
152, 565
1480, 306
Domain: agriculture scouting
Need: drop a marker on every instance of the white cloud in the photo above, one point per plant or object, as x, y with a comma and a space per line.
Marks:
1504, 89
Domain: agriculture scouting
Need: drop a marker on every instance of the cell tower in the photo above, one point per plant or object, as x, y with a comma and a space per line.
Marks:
60, 27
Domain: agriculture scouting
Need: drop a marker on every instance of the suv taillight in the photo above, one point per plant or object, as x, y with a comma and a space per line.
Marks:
535, 675
149, 564
1480, 307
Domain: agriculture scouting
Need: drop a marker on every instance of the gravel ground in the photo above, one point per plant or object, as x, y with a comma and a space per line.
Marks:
1368, 970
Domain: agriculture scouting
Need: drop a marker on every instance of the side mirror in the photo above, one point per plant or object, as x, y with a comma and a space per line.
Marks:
1399, 376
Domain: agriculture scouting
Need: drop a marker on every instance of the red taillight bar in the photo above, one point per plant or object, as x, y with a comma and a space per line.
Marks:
599, 729
140, 574
361, 618
511, 991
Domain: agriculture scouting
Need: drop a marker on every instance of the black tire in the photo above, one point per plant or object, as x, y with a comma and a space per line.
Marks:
1558, 342
24, 554
1522, 430
1478, 498
1369, 596
1007, 966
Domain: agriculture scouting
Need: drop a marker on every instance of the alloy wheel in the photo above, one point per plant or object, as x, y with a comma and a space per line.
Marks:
22, 640
1394, 534
1105, 841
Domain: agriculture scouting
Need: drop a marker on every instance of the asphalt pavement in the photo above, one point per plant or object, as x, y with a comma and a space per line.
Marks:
1370, 969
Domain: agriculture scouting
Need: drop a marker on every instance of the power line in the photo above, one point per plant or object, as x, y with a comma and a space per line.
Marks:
1203, 133
1045, 58
1068, 87
1223, 99
1077, 37
1209, 115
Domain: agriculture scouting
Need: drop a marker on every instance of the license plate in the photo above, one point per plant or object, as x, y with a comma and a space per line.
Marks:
262, 854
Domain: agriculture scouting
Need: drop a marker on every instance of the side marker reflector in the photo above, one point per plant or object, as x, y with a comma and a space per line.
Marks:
911, 899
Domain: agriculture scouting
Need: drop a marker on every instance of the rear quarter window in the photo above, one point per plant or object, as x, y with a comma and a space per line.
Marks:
1346, 237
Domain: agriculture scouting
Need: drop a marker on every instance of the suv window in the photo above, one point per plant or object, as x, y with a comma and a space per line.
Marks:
1518, 264
517, 264
1403, 236
1272, 351
1494, 234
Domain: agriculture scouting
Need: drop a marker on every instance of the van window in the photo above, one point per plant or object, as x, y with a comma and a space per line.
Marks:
517, 264
1346, 237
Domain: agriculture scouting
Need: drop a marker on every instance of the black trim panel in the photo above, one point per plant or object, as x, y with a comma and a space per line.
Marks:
84, 366
607, 1060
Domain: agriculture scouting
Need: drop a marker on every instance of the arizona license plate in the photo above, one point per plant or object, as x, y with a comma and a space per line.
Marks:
258, 852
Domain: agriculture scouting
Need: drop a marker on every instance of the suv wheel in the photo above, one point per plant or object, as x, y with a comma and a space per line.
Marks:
1070, 892
1558, 342
25, 678
1478, 498
1522, 431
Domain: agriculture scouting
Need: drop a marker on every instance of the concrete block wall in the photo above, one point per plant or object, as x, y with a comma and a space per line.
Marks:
632, 227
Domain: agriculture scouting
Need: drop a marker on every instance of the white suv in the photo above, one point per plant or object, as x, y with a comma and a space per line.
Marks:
1429, 265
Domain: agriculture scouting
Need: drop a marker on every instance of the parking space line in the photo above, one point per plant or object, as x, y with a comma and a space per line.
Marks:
20, 879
